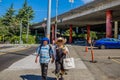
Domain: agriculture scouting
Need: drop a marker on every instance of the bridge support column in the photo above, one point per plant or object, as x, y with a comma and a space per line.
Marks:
53, 32
88, 33
70, 37
116, 29
109, 23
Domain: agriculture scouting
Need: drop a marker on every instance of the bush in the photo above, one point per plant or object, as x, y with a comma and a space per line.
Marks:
16, 39
0, 38
31, 39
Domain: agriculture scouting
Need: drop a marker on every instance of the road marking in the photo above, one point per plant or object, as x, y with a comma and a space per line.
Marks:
116, 61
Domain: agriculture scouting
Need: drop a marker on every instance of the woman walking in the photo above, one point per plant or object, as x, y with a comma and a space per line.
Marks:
61, 51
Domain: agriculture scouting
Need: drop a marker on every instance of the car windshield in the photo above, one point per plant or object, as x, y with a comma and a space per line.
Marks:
115, 40
106, 40
111, 39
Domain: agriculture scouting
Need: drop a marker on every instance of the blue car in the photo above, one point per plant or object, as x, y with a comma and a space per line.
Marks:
107, 43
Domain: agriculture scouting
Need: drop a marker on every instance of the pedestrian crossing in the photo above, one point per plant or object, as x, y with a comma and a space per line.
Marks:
28, 63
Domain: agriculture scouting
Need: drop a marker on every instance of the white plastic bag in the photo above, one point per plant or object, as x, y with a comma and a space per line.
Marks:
68, 63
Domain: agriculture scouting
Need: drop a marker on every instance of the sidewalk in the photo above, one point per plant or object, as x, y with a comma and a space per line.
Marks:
26, 69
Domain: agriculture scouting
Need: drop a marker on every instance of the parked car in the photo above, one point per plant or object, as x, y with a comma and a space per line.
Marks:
107, 43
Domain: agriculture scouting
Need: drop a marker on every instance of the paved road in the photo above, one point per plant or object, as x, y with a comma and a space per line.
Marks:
7, 59
104, 69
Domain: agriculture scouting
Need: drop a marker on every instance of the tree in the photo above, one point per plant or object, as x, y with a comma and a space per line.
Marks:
3, 30
9, 20
67, 33
25, 14
8, 17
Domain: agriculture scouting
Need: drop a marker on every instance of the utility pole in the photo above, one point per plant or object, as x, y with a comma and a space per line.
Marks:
49, 19
56, 19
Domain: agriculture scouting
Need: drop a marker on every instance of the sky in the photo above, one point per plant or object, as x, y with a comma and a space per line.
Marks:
40, 7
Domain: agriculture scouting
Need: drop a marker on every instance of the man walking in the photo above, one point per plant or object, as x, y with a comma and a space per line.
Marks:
45, 54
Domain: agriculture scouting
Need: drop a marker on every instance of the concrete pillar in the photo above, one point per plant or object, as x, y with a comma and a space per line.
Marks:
70, 37
116, 29
109, 23
88, 33
53, 32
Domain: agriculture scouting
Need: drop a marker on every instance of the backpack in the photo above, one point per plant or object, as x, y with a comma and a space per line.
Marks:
50, 48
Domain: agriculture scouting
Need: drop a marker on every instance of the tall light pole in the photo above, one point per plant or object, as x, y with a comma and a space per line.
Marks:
49, 19
56, 19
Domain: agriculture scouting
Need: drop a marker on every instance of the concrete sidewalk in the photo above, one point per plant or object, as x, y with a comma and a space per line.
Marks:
26, 69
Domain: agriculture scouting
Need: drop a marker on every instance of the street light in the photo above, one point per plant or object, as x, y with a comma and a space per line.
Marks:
49, 19
56, 19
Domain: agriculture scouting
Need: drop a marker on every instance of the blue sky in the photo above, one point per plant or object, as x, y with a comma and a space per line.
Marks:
40, 7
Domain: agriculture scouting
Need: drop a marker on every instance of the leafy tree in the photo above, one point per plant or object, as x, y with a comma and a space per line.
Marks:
9, 20
67, 33
25, 14
8, 17
3, 30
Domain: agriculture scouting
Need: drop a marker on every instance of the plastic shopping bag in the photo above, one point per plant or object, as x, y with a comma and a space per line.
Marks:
68, 63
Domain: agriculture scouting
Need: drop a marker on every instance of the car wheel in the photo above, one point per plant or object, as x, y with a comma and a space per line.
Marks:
102, 47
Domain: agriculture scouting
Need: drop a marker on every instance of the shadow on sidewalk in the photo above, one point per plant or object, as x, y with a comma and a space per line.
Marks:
34, 77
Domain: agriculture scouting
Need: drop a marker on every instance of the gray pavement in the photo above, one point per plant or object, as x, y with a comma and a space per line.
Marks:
104, 69
26, 69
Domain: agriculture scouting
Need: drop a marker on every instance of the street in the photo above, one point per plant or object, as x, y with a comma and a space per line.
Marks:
10, 57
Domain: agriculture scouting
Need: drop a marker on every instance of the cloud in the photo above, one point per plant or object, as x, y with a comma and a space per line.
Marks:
86, 1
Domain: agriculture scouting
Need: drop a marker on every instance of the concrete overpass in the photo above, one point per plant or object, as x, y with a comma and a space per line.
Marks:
94, 13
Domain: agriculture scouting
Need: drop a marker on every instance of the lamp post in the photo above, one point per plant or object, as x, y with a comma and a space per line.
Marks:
49, 19
56, 19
